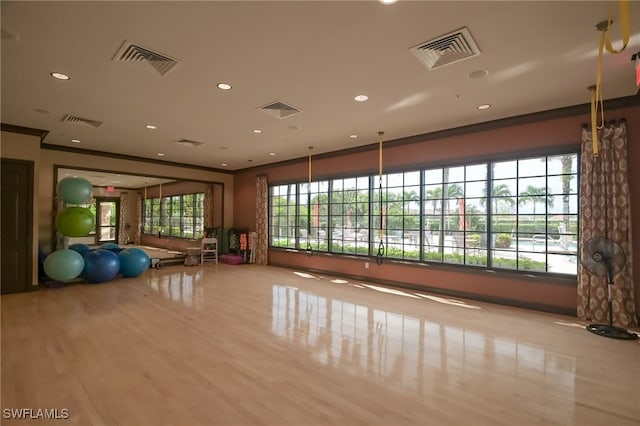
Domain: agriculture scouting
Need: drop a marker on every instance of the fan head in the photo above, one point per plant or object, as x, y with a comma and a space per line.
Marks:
602, 256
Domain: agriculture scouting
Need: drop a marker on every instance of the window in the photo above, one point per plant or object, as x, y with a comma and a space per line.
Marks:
519, 214
192, 215
350, 215
313, 205
455, 220
174, 216
283, 212
179, 216
151, 215
400, 215
535, 223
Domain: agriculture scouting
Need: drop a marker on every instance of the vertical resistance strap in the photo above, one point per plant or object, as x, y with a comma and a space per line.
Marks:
380, 254
605, 42
309, 248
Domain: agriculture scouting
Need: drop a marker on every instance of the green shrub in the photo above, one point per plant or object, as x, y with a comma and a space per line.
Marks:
503, 241
523, 264
456, 258
473, 240
433, 256
526, 264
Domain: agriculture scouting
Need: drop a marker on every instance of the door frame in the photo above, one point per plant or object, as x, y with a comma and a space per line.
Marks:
115, 200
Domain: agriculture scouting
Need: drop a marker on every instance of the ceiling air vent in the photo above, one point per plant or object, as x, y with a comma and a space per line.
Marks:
447, 49
189, 143
130, 52
279, 109
73, 119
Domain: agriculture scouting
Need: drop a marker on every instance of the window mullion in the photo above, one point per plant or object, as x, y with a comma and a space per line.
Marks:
421, 200
489, 205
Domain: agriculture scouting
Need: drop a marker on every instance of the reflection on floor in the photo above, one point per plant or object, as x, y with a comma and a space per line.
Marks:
254, 345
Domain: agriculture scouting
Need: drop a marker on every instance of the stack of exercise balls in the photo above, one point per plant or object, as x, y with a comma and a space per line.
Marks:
72, 221
95, 266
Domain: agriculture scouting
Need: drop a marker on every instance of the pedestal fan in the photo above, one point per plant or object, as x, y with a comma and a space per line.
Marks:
604, 257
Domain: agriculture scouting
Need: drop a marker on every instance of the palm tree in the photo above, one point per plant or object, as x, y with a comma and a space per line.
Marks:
453, 191
435, 195
567, 162
499, 193
536, 195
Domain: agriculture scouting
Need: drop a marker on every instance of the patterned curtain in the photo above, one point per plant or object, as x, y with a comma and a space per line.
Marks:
208, 206
605, 211
262, 220
123, 223
138, 228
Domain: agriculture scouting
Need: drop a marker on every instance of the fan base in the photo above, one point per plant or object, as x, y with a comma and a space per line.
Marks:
611, 331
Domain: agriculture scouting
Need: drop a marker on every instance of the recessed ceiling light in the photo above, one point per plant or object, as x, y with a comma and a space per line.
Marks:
478, 74
60, 76
224, 164
257, 131
150, 126
224, 86
361, 98
388, 2
272, 154
353, 136
484, 106
160, 154
42, 111
75, 140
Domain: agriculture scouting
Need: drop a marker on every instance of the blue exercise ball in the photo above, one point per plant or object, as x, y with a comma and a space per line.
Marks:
80, 248
133, 262
111, 247
75, 221
100, 266
74, 190
63, 265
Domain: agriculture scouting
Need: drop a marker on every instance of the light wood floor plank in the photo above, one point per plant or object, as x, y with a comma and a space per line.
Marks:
254, 345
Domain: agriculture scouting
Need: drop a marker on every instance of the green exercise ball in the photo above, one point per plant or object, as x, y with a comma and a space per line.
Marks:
75, 221
63, 265
74, 190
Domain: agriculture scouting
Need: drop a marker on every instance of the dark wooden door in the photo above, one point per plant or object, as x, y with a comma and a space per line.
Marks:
17, 226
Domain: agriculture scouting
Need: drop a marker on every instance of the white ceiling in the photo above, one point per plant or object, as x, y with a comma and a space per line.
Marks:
315, 56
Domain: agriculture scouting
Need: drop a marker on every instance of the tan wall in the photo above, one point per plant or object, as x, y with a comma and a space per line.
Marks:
26, 147
557, 294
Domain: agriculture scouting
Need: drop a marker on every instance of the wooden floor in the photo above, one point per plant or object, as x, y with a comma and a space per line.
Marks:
254, 345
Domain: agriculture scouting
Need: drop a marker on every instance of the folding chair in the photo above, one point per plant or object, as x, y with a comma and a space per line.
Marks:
209, 250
